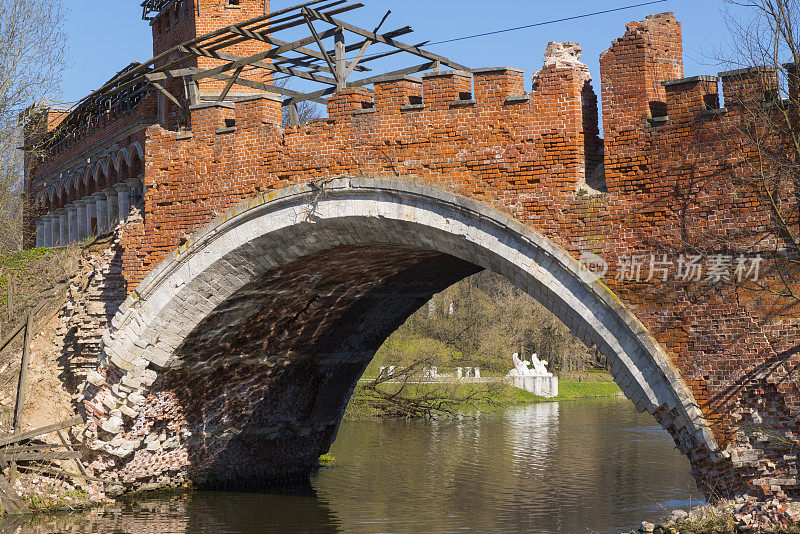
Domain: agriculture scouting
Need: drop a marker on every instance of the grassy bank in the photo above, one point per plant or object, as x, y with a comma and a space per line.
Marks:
474, 396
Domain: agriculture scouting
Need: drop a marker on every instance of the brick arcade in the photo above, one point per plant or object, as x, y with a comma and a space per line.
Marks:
266, 264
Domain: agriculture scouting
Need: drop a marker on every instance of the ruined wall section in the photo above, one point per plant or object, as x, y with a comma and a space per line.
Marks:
685, 169
93, 298
650, 52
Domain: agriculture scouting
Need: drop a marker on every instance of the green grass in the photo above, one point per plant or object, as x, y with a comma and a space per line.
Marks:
482, 396
568, 389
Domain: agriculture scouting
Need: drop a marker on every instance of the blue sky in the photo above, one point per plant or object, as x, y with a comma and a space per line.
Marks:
106, 35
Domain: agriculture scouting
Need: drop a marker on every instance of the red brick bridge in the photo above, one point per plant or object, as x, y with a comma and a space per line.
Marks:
266, 264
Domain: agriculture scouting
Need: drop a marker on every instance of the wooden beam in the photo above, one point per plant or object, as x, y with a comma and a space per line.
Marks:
192, 90
37, 456
322, 49
341, 62
270, 67
163, 90
354, 63
294, 115
230, 83
271, 88
255, 57
11, 502
14, 333
23, 375
15, 438
379, 38
410, 70
360, 83
69, 447
13, 449
63, 473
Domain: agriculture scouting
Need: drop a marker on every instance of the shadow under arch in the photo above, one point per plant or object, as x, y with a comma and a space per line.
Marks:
259, 326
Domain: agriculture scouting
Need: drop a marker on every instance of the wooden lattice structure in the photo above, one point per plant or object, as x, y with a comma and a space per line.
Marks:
320, 57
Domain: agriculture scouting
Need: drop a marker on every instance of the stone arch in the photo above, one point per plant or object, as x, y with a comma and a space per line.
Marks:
120, 159
72, 186
98, 178
218, 314
63, 193
136, 165
88, 179
135, 150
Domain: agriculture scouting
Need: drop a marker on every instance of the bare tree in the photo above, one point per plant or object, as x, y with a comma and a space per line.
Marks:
32, 57
767, 40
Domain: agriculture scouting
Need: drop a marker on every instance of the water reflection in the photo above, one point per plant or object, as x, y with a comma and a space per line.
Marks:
571, 467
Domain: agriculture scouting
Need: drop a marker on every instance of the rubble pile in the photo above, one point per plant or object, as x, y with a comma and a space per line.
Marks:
744, 514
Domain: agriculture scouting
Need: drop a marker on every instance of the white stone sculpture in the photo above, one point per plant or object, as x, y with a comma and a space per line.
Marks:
533, 376
521, 367
535, 367
539, 366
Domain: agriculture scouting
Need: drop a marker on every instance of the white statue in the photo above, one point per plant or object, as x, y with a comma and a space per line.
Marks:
535, 367
521, 367
539, 366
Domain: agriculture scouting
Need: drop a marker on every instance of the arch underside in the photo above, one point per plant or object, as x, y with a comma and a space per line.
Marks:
260, 326
278, 360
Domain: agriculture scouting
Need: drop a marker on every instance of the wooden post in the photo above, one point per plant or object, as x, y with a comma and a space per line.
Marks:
294, 115
23, 374
10, 295
341, 63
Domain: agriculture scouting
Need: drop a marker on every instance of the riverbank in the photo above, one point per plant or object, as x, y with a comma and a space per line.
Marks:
461, 397
741, 515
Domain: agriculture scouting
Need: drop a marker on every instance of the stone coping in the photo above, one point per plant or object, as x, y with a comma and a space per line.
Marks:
463, 103
518, 99
493, 70
712, 112
693, 79
748, 70
260, 96
398, 78
447, 73
207, 105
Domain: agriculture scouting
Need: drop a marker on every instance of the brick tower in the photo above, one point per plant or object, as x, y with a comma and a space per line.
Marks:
185, 20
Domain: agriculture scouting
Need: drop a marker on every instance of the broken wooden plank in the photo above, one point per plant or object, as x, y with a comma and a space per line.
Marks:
5, 440
11, 502
38, 456
28, 448
164, 91
17, 329
63, 473
78, 461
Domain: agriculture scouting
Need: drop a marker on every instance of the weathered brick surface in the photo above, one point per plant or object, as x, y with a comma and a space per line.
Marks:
671, 159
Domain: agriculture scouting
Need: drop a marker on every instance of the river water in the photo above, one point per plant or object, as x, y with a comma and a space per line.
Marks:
573, 467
